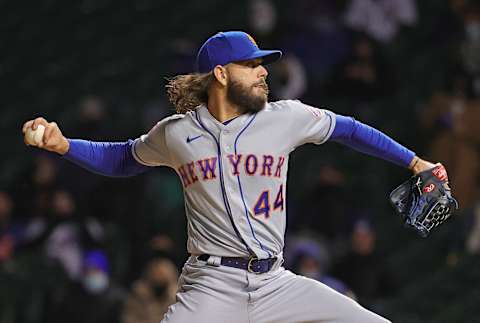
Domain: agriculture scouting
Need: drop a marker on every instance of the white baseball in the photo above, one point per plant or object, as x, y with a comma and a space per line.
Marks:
34, 137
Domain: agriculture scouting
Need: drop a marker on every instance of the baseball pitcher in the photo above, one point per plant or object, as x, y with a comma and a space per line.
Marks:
230, 148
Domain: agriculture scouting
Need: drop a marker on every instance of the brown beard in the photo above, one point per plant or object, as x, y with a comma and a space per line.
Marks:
243, 97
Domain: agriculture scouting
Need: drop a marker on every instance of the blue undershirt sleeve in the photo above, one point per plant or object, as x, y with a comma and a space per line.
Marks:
371, 141
112, 159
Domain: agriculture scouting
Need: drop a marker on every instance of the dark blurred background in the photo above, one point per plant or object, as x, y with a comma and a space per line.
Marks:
76, 247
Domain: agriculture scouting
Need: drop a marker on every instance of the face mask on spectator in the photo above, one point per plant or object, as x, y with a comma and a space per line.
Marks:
96, 282
473, 30
159, 289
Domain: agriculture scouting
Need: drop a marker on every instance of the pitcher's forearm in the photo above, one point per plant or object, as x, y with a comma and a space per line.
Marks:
113, 159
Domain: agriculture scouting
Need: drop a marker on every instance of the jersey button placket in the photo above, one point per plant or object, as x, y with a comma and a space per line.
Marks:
230, 180
226, 146
223, 141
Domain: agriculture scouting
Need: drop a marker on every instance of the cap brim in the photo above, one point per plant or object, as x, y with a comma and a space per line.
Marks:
269, 56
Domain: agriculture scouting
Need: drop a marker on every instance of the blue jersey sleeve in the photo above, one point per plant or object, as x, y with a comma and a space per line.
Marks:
368, 140
114, 159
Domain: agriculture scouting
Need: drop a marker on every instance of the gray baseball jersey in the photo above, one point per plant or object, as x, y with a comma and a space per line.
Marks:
234, 175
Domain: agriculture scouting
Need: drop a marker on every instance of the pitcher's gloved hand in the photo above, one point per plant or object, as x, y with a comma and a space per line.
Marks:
425, 200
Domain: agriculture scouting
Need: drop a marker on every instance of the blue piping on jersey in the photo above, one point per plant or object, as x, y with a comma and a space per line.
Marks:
222, 185
329, 126
241, 190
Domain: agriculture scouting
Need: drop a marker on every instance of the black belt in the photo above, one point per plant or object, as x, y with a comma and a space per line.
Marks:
252, 264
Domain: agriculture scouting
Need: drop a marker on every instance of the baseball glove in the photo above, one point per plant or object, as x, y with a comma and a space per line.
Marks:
425, 200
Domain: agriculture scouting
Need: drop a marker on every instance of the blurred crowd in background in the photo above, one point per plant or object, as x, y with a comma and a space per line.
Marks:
78, 247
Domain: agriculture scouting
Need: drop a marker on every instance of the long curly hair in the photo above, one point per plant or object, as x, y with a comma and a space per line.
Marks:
187, 92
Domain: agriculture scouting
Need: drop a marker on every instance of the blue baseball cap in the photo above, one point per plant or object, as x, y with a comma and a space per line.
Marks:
231, 46
96, 259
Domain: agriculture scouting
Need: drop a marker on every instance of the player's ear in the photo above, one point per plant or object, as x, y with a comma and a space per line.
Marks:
220, 74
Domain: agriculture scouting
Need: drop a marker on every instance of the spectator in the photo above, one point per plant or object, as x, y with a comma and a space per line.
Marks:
444, 28
32, 189
95, 298
92, 118
317, 39
380, 19
262, 17
456, 114
63, 234
362, 269
311, 259
182, 57
470, 46
44, 176
364, 76
473, 238
288, 78
451, 118
325, 207
152, 294
10, 232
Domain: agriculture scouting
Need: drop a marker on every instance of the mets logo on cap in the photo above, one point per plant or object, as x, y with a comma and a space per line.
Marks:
252, 40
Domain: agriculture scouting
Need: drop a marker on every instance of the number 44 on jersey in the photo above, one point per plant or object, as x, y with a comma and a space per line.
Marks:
263, 206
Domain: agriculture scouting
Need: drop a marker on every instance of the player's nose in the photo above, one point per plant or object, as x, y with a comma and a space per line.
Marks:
262, 71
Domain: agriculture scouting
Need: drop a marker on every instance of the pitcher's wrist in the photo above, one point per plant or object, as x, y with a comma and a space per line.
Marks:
64, 146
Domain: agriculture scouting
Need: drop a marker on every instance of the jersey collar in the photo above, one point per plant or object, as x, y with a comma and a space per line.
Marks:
213, 124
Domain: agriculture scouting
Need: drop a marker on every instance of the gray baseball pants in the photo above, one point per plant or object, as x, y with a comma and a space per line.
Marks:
219, 294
